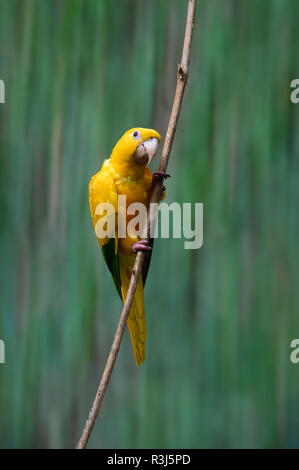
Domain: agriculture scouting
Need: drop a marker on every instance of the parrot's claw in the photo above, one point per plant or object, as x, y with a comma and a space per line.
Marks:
142, 245
160, 175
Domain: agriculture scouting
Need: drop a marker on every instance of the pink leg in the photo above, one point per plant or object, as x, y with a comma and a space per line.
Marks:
142, 245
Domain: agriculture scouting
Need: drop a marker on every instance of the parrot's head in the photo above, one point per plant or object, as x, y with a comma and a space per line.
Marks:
136, 148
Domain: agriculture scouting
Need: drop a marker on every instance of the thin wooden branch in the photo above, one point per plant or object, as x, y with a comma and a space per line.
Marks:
182, 76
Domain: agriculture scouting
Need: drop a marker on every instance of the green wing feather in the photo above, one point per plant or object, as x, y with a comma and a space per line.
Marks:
147, 262
102, 189
112, 261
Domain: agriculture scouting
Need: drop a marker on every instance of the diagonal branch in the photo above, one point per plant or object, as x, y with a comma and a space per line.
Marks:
182, 76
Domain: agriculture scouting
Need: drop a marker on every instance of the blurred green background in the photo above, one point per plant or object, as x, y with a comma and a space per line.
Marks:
79, 73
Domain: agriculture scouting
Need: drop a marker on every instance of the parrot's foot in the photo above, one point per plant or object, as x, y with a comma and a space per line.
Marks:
160, 175
142, 245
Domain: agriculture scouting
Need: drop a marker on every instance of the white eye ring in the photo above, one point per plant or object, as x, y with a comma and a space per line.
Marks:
136, 135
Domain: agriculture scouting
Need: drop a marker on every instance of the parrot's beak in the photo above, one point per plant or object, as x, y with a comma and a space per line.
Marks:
146, 151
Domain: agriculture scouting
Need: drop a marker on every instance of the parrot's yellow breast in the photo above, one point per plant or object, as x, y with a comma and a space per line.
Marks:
136, 190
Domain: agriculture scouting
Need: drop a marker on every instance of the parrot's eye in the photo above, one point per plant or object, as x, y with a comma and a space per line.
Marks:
136, 135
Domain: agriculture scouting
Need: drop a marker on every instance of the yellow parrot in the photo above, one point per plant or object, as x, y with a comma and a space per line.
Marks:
126, 173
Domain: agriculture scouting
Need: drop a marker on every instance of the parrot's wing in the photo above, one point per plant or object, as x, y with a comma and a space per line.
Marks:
102, 190
148, 255
147, 261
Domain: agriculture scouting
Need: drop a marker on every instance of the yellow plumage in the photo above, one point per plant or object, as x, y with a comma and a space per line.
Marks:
126, 173
136, 319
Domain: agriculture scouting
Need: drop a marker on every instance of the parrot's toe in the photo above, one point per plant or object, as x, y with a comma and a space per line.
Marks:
142, 245
160, 175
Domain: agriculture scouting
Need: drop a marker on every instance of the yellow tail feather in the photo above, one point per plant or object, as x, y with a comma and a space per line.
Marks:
136, 320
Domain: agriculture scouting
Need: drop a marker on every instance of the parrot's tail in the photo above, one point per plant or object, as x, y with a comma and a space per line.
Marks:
136, 319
